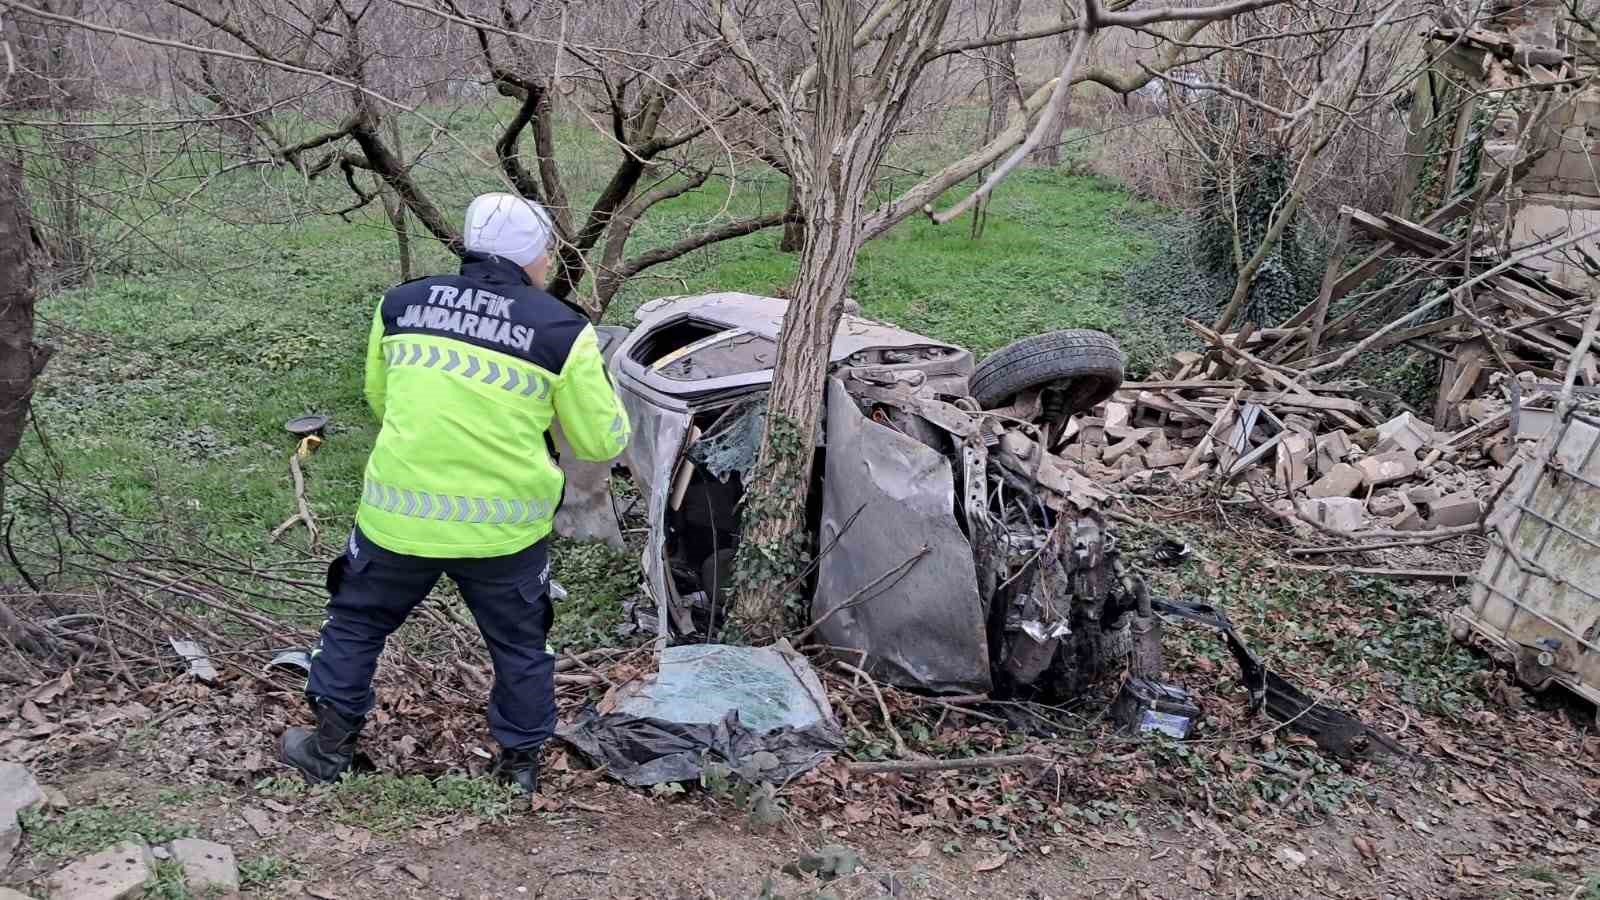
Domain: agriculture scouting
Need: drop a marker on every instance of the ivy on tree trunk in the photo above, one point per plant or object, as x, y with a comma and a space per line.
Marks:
833, 173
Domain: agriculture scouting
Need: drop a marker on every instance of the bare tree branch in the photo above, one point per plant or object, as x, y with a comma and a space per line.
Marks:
1059, 98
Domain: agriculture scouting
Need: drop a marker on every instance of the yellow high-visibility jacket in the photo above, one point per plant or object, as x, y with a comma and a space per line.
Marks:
467, 373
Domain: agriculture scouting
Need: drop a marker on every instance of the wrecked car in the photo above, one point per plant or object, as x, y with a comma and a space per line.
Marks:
955, 551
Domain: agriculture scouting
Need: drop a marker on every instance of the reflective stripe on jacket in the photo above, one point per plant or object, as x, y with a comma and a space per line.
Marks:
466, 373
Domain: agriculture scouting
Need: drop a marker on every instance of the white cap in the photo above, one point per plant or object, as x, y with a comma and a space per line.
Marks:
508, 226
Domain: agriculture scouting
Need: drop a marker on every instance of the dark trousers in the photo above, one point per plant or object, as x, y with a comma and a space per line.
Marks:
373, 590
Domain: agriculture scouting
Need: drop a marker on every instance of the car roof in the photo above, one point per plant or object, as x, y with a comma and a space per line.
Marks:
763, 316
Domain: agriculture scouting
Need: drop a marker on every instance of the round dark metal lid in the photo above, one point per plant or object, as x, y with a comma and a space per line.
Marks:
306, 425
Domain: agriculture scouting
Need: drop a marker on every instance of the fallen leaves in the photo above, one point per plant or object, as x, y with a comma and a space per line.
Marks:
1365, 848
47, 692
990, 863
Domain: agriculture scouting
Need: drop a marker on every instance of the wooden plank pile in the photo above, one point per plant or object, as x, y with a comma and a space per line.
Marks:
1267, 411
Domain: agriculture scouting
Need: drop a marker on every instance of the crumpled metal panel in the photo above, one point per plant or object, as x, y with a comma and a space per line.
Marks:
922, 628
652, 456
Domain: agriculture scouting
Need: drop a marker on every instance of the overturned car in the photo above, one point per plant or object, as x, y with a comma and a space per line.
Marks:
956, 552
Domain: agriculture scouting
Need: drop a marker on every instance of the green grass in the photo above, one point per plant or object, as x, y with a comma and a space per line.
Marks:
382, 803
90, 829
260, 872
166, 882
165, 404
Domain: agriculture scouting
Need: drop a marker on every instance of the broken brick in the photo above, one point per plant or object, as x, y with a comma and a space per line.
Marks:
1336, 513
1388, 505
1454, 510
1404, 432
1164, 459
1332, 448
1423, 494
1387, 468
1340, 481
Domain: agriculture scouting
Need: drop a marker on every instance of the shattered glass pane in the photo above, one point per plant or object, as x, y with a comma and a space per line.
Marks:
757, 713
700, 683
734, 447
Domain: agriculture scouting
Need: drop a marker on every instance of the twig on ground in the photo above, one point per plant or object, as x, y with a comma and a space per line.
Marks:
945, 765
303, 513
1399, 574
883, 707
1422, 541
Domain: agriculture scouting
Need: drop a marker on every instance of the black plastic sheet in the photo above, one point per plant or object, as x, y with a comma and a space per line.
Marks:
643, 751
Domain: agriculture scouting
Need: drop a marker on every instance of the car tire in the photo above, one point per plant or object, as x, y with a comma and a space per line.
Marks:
1086, 364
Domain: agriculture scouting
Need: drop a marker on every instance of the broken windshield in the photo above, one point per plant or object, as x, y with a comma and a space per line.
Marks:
715, 355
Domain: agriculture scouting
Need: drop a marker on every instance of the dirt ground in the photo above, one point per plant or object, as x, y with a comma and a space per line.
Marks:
1498, 794
1444, 835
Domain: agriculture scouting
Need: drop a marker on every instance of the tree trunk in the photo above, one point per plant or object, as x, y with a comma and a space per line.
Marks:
794, 223
396, 209
771, 558
833, 189
20, 358
1000, 78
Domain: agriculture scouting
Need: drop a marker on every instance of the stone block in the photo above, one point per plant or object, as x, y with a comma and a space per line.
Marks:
1423, 494
1389, 505
1293, 465
1340, 481
1404, 432
1337, 513
1410, 520
1454, 510
1093, 431
113, 874
1164, 459
1332, 448
1121, 448
18, 791
1132, 463
207, 865
1387, 468
1118, 415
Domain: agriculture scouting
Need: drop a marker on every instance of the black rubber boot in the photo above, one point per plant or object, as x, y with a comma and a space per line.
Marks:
518, 767
326, 753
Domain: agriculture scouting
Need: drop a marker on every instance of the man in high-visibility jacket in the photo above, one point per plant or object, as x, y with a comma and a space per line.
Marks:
466, 373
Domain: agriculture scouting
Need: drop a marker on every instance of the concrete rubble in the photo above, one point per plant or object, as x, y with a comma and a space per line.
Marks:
18, 792
207, 865
112, 874
1315, 453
